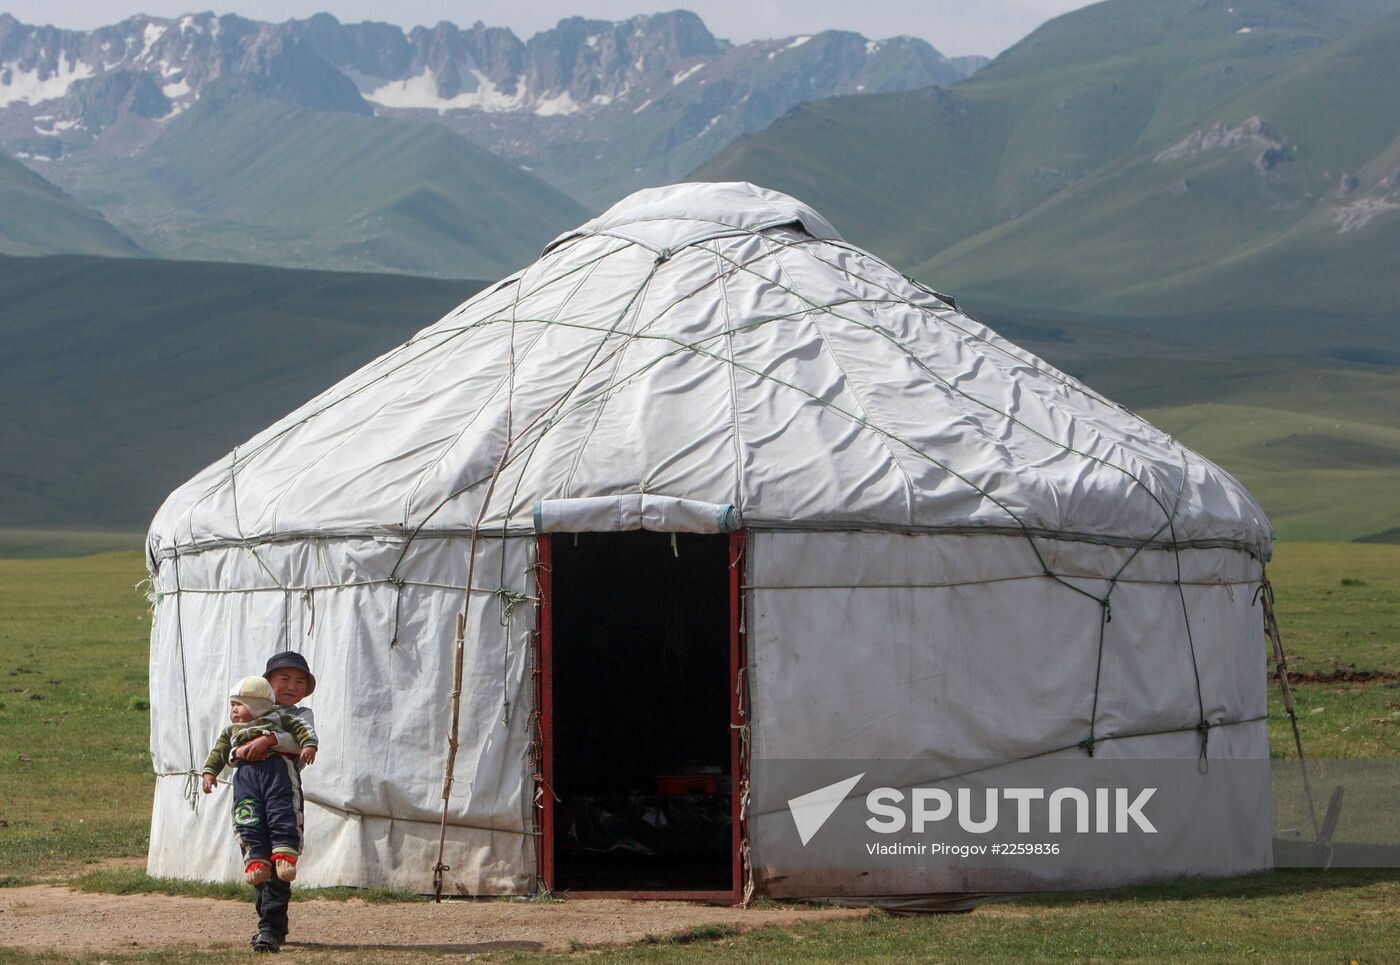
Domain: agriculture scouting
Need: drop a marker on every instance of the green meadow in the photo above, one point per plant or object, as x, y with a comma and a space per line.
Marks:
75, 769
1317, 445
1277, 917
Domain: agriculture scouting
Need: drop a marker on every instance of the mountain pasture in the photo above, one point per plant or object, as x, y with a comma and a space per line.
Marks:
37, 218
242, 177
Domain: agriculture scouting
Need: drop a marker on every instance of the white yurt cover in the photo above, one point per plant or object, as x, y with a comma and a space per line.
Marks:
956, 552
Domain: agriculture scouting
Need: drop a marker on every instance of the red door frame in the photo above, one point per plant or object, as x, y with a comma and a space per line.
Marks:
738, 707
544, 716
544, 710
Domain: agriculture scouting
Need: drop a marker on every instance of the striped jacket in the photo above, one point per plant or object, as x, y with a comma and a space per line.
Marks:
276, 723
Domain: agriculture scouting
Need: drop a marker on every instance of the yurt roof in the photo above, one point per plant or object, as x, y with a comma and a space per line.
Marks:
714, 342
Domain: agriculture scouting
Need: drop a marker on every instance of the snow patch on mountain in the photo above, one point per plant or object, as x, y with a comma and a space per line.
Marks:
559, 105
420, 92
688, 72
38, 85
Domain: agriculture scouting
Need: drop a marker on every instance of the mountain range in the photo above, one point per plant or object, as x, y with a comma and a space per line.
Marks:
244, 175
120, 118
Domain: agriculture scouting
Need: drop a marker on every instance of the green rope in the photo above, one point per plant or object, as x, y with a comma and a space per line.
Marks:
510, 600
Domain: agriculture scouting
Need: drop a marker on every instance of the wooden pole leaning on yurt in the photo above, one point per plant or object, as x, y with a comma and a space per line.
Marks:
450, 772
459, 645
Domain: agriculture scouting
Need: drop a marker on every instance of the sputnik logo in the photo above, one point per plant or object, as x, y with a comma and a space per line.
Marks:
811, 810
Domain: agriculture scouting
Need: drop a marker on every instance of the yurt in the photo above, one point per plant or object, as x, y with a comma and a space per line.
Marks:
704, 493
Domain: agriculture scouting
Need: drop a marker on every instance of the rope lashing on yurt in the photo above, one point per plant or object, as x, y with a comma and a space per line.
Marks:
262, 564
1048, 572
953, 584
1265, 595
192, 775
925, 780
698, 348
458, 655
1202, 725
381, 581
509, 600
604, 394
460, 642
521, 445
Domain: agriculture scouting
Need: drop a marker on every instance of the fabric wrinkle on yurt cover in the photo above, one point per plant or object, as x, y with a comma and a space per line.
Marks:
800, 380
703, 347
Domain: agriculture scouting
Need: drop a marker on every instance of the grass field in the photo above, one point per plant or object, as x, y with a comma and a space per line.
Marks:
1275, 917
75, 771
75, 782
37, 544
1325, 465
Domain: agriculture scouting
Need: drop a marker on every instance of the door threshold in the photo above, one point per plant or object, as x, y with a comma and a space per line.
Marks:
714, 897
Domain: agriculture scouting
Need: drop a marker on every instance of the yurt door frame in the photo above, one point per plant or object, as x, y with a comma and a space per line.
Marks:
738, 729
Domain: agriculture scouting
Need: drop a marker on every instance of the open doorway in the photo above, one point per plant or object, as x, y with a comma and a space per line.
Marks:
638, 687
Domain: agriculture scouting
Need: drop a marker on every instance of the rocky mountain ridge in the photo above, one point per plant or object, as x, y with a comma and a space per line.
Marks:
647, 97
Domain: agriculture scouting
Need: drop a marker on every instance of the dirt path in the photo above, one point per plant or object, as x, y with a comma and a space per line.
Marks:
52, 918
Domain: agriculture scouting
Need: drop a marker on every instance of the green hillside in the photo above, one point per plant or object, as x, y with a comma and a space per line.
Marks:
1217, 240
242, 177
120, 378
901, 174
36, 218
1319, 447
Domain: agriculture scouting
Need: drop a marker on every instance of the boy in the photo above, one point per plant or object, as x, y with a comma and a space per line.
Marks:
292, 681
266, 794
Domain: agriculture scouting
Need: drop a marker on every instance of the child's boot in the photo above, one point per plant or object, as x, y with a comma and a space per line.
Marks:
257, 871
286, 866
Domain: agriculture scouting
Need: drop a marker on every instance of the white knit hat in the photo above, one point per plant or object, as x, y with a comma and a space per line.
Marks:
255, 693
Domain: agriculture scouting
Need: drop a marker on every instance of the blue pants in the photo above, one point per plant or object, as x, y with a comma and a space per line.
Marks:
267, 807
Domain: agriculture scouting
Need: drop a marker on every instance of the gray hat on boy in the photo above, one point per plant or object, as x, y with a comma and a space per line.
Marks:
291, 660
